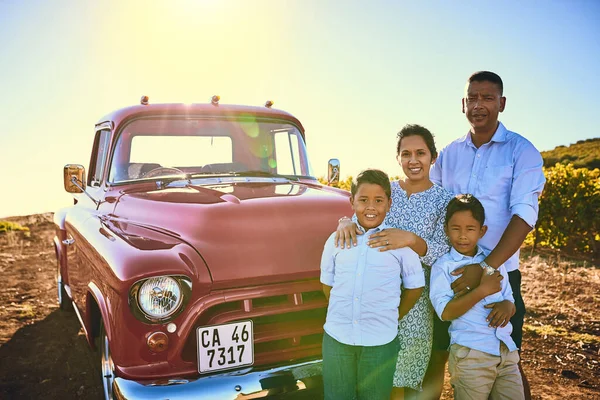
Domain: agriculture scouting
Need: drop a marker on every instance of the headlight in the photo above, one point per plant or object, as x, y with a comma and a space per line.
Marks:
159, 298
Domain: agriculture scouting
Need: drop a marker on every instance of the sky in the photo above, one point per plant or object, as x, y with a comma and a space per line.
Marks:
353, 72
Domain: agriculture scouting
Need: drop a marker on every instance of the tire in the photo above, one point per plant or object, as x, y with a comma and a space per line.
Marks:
104, 363
64, 301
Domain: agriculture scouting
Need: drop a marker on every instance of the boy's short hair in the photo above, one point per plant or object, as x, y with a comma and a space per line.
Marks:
417, 130
464, 202
373, 176
482, 76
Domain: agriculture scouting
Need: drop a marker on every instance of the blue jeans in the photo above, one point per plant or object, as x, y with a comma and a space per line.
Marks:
358, 372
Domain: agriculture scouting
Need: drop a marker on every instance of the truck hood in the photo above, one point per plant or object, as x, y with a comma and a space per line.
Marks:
248, 233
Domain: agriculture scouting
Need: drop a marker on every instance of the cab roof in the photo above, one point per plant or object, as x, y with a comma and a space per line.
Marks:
119, 116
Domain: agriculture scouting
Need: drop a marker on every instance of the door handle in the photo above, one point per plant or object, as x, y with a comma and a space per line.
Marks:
68, 241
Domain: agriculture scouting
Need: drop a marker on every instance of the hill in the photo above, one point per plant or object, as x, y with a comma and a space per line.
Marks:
583, 154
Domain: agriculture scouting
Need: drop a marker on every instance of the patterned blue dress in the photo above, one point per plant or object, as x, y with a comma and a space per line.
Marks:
423, 214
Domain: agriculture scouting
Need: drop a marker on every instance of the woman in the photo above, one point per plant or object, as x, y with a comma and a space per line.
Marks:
417, 215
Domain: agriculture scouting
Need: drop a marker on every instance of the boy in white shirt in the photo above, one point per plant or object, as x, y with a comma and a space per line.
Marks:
363, 286
483, 360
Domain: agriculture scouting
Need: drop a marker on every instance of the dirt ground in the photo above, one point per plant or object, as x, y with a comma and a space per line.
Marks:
43, 353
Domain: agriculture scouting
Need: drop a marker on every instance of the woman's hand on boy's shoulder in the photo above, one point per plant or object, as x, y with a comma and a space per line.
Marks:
345, 234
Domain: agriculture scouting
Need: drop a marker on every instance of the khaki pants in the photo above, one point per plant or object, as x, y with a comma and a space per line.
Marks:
477, 375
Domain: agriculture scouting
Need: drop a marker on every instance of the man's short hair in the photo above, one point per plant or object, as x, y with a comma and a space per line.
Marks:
481, 76
373, 176
464, 202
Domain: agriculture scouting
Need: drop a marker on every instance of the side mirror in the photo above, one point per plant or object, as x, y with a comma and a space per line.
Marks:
74, 178
333, 171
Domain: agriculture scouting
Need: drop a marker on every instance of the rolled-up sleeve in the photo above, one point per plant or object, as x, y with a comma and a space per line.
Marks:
440, 291
412, 273
528, 183
328, 262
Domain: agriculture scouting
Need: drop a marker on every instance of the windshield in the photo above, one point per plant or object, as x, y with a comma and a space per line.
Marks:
152, 147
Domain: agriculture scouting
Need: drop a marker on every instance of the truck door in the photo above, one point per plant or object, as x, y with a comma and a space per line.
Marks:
82, 220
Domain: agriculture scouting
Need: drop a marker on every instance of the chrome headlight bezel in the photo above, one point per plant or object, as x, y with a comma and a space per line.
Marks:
185, 287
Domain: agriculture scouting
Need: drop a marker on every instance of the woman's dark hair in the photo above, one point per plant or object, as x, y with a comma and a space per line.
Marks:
483, 76
464, 202
417, 130
373, 176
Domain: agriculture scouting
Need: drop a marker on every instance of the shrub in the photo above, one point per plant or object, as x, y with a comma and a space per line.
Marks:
6, 226
568, 216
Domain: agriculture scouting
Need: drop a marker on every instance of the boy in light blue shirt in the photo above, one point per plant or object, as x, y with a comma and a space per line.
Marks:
483, 360
363, 286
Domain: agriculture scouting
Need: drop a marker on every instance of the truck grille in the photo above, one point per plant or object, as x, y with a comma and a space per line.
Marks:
288, 320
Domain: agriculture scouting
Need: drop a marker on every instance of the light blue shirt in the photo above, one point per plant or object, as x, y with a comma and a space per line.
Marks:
470, 329
365, 294
505, 174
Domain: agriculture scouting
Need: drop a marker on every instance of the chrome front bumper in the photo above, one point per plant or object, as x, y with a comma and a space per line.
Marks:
302, 380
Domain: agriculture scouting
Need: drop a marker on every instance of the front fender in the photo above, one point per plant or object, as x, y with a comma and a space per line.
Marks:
114, 260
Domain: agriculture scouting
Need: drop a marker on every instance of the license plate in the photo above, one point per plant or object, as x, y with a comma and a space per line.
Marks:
225, 346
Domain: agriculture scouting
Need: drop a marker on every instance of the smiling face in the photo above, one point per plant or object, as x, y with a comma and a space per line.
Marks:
370, 204
482, 103
464, 231
415, 158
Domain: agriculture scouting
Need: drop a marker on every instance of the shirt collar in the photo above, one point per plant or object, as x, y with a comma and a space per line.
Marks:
376, 229
499, 135
456, 256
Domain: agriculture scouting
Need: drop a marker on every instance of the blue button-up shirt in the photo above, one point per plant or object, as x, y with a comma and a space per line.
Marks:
365, 294
505, 174
470, 329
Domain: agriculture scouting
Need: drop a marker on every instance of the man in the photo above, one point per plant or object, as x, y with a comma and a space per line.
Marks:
504, 171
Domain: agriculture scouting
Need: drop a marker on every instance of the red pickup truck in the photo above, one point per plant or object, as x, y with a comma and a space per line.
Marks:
191, 254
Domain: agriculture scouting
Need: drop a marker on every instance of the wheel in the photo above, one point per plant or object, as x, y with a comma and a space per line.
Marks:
64, 302
105, 363
163, 171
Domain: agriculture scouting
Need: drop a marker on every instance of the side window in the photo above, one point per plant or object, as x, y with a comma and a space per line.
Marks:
288, 153
99, 156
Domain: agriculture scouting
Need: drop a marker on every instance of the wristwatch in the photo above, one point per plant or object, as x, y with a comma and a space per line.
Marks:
487, 268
